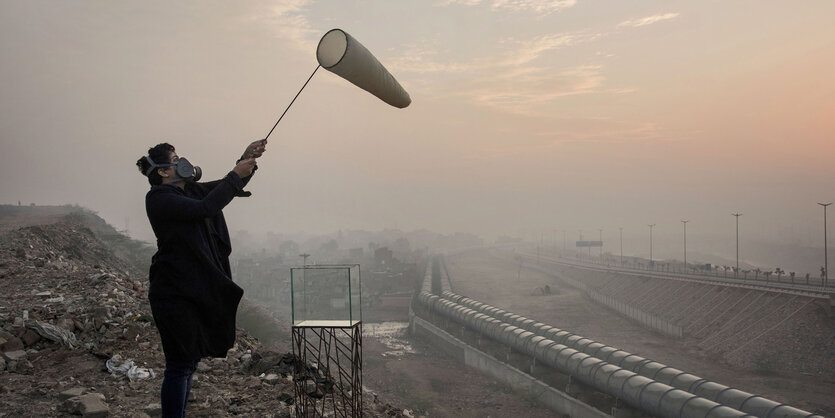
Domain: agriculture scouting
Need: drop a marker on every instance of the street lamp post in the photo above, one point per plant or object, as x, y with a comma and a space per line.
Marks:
825, 247
587, 246
685, 244
651, 263
736, 272
621, 246
601, 244
304, 264
555, 242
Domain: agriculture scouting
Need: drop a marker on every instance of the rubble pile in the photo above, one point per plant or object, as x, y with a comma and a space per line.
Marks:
77, 338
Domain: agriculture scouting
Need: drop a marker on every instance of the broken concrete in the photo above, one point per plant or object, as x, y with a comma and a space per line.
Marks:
14, 355
91, 405
71, 393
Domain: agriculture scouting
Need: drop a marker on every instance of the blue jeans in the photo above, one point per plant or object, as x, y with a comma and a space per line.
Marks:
176, 385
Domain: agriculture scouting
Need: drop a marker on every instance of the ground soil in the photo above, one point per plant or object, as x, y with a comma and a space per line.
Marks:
427, 382
435, 385
499, 281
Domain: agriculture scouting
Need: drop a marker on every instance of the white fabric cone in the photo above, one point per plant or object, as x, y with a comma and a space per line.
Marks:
341, 54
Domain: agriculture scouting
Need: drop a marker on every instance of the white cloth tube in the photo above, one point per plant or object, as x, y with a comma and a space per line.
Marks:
341, 54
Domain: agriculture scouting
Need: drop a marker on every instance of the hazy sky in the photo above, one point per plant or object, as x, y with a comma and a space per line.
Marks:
526, 116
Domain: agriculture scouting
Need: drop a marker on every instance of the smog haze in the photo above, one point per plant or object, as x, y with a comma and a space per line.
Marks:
528, 118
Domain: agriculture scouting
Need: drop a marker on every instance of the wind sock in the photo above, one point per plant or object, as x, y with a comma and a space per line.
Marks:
341, 54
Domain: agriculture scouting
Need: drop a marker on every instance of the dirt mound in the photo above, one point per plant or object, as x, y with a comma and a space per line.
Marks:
77, 337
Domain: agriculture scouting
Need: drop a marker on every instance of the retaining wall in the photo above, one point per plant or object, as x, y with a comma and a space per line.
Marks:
647, 319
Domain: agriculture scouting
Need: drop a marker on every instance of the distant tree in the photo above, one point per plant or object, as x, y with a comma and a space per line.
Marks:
779, 272
791, 274
745, 273
767, 274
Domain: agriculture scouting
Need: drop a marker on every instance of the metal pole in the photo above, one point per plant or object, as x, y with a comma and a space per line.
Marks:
685, 245
291, 103
621, 246
825, 248
601, 243
555, 242
581, 238
737, 215
650, 245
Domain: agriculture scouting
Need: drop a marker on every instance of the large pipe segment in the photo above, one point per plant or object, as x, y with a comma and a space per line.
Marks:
752, 404
652, 396
432, 280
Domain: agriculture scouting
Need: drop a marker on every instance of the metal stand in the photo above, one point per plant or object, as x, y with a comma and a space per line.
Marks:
328, 372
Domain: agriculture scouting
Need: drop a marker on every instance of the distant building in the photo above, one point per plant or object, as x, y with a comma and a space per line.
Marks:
383, 255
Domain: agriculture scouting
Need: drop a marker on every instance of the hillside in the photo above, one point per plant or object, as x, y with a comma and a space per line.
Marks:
74, 314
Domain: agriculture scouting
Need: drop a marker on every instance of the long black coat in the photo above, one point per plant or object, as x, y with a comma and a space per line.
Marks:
193, 298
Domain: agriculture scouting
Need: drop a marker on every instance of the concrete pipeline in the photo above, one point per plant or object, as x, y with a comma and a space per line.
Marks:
735, 398
645, 394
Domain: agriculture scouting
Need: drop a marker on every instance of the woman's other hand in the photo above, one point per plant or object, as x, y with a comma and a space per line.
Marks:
244, 167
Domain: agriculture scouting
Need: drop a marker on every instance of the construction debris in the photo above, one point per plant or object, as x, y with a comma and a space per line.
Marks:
73, 315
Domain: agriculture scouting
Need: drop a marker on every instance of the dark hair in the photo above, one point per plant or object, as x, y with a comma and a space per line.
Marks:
159, 154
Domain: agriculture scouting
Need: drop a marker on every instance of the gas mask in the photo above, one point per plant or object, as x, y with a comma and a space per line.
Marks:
185, 171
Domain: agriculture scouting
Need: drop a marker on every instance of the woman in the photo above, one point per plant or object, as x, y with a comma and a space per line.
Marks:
192, 296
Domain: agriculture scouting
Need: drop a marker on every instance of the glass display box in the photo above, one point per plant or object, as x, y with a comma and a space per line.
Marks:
326, 295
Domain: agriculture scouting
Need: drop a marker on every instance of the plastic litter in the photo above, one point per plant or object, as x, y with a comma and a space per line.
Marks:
118, 365
52, 332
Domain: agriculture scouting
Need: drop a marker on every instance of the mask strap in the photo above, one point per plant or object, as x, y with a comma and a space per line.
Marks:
154, 166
